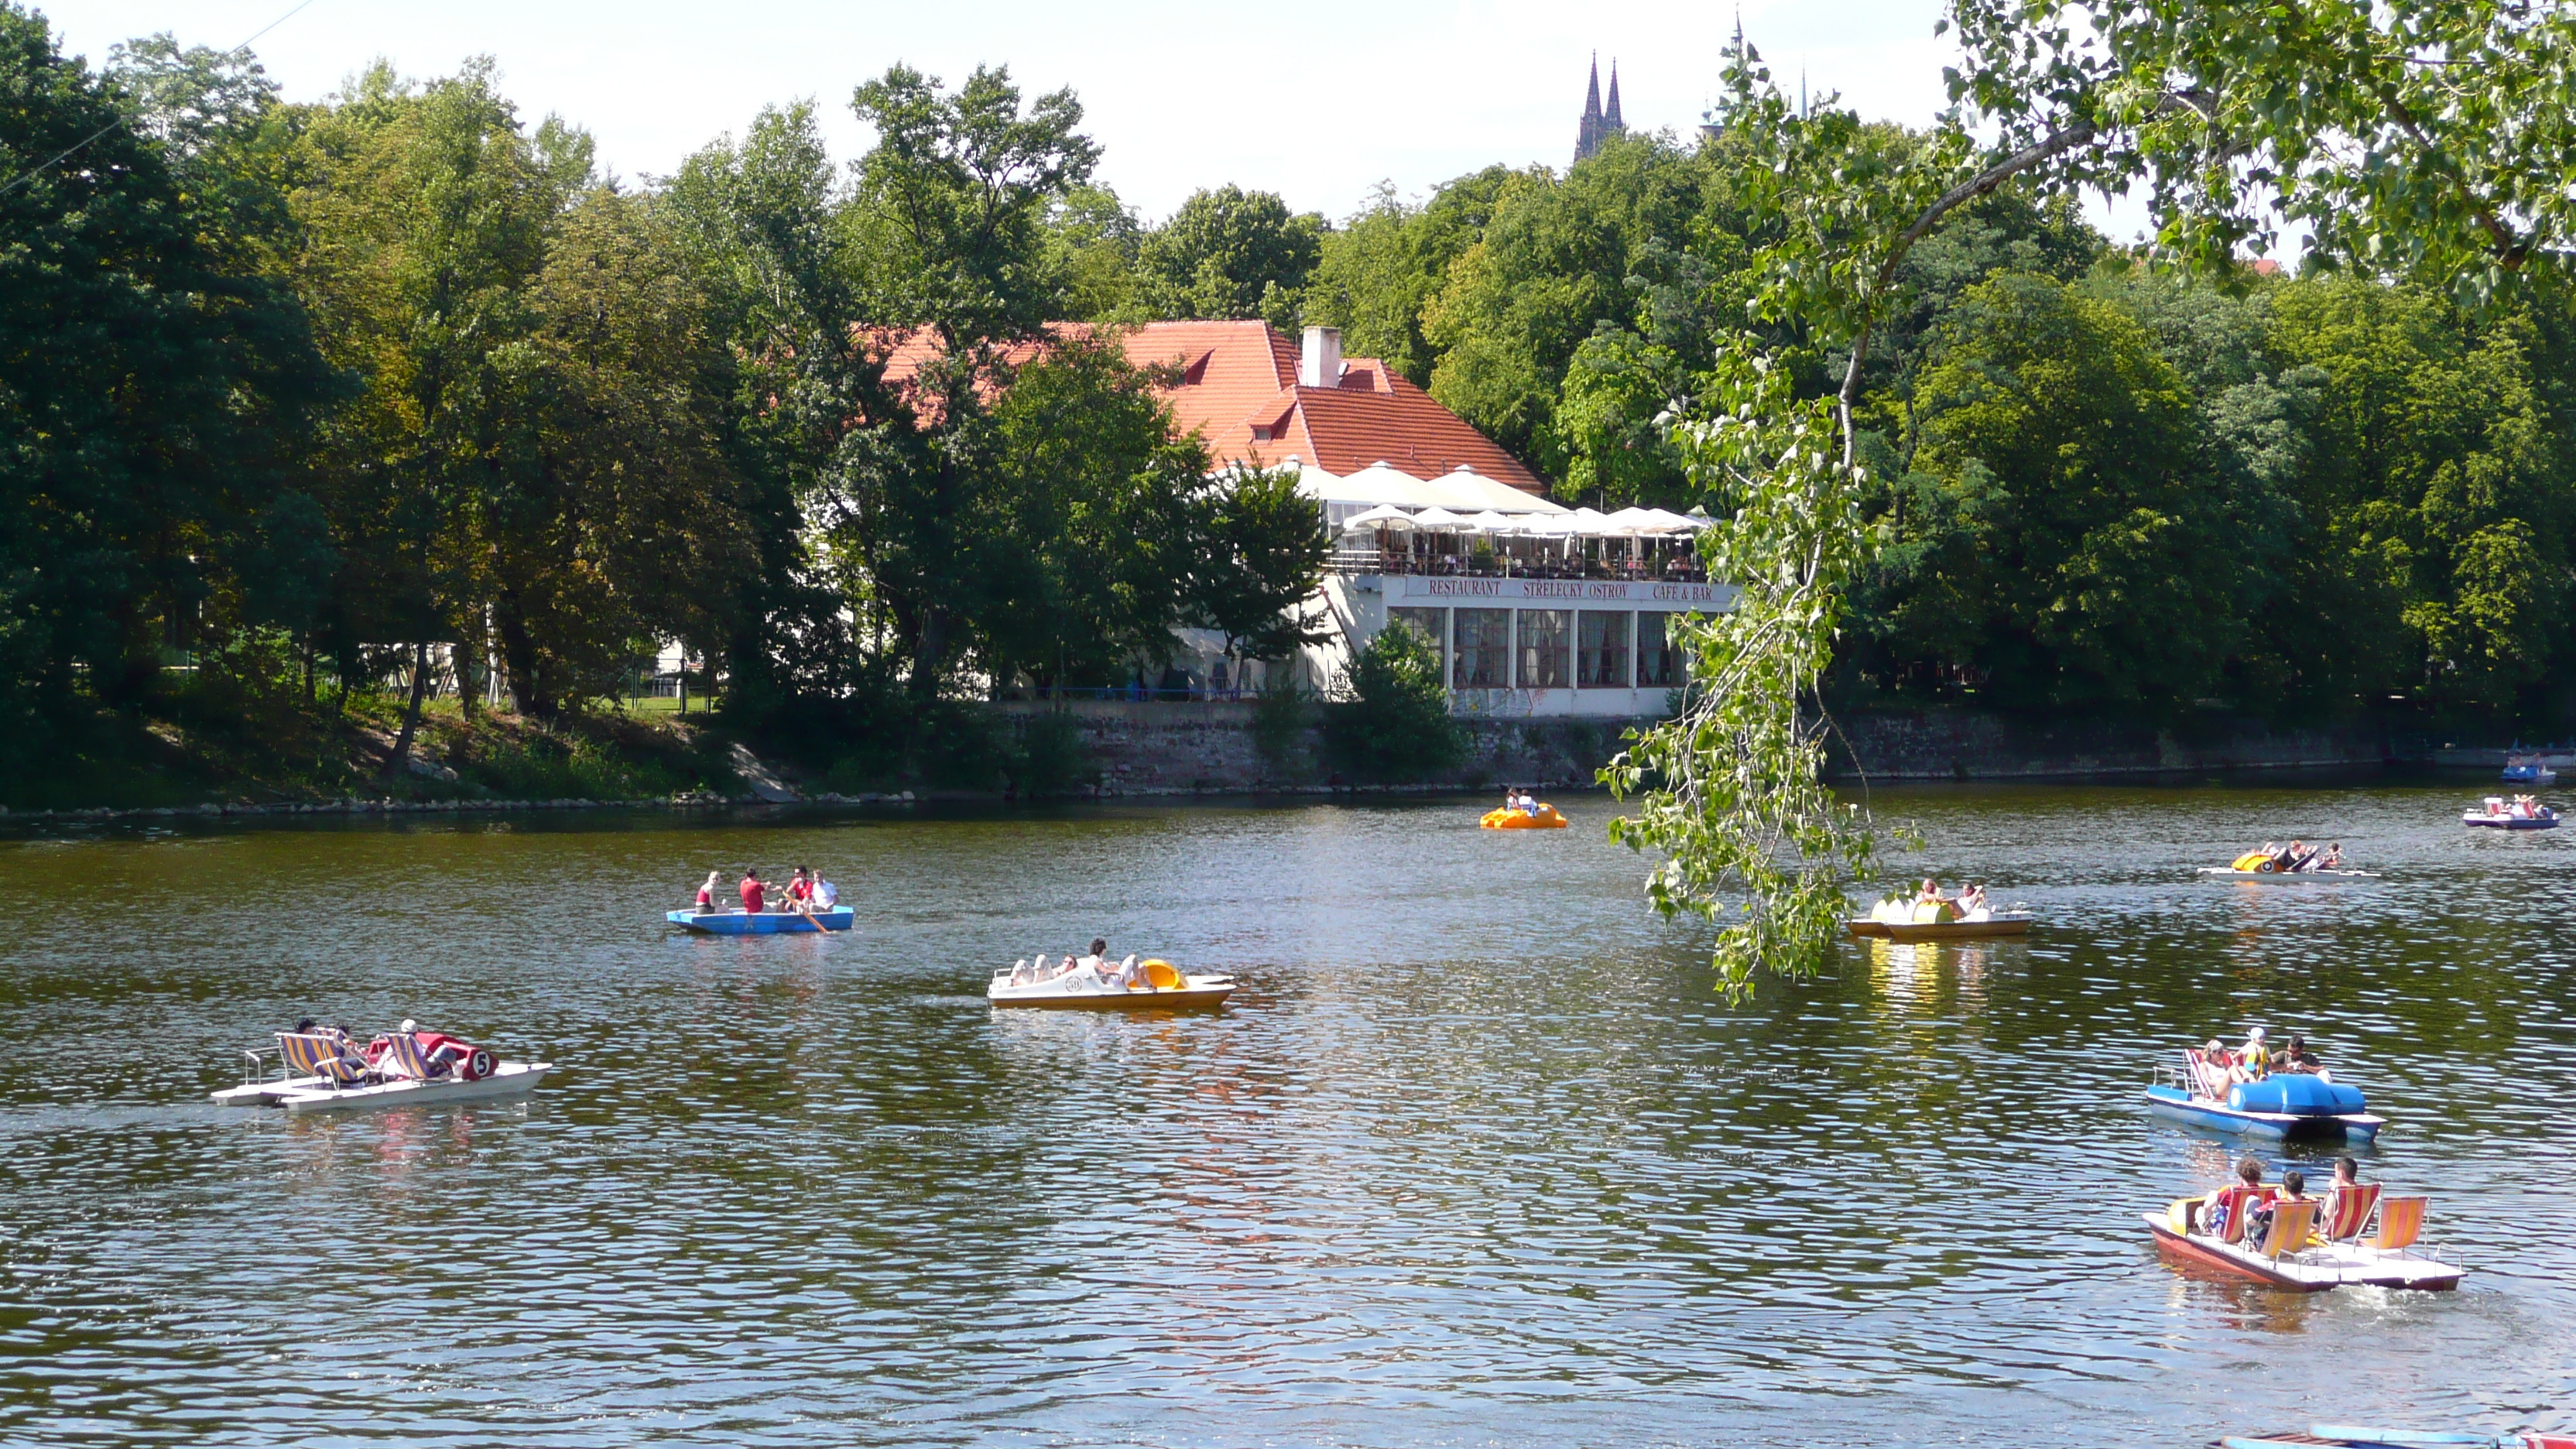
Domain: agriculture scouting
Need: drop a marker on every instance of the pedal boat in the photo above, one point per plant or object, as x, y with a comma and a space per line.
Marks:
2281, 1106
2355, 1436
767, 923
316, 1093
2329, 1255
2002, 923
2284, 877
1165, 987
2497, 816
1545, 819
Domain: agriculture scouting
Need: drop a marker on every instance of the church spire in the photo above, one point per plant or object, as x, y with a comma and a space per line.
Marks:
1610, 122
1587, 137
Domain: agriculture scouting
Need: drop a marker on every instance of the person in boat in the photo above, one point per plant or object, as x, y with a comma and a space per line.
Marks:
2258, 1217
2297, 1058
2347, 1176
1929, 904
441, 1052
2213, 1214
2253, 1063
2333, 858
800, 889
1972, 904
705, 904
826, 894
755, 896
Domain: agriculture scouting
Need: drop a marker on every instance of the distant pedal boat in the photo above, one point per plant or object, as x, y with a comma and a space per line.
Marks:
344, 1083
2494, 815
2006, 923
767, 923
1165, 987
2284, 877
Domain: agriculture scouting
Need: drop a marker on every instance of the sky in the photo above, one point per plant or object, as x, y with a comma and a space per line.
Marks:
1318, 102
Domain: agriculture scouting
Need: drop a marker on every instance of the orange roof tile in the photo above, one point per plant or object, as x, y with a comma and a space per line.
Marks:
1239, 390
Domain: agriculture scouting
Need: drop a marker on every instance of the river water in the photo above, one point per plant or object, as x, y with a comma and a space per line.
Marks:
1475, 1157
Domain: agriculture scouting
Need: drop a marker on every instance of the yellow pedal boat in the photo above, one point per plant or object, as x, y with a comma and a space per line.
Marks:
1545, 819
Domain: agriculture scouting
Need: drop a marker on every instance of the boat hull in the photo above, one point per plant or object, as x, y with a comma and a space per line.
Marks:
2507, 822
2180, 1106
265, 1094
2312, 1271
510, 1079
1196, 993
1545, 819
2284, 877
1938, 930
767, 923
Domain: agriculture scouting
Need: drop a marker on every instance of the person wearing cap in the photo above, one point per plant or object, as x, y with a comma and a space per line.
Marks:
2253, 1063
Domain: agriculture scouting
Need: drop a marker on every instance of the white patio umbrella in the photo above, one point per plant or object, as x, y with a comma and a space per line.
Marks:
1593, 523
1440, 520
1489, 522
1677, 522
1383, 516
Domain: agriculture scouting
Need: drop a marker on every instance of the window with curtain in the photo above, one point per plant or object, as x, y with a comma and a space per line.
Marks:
1431, 626
1659, 664
1547, 649
1601, 649
1481, 649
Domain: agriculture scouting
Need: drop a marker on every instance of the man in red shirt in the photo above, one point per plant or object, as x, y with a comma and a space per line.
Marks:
753, 893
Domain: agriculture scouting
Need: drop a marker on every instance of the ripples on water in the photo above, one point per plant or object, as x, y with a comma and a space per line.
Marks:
1475, 1157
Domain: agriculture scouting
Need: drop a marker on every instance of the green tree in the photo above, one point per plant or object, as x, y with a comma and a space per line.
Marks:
1092, 242
1230, 254
1379, 270
1256, 560
156, 390
1392, 723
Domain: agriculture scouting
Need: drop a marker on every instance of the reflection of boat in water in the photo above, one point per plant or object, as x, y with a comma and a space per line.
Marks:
1545, 819
318, 1073
767, 923
2007, 923
2285, 1104
2495, 814
1165, 986
2354, 1238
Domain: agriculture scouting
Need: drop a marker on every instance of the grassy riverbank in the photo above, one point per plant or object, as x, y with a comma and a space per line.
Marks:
192, 751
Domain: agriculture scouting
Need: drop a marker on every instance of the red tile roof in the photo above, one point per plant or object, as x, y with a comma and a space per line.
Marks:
1239, 390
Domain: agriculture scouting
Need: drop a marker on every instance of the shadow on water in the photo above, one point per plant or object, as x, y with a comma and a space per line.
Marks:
1475, 1156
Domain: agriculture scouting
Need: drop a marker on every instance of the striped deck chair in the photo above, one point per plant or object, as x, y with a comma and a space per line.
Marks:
2237, 1203
2351, 1209
2288, 1232
327, 1057
2208, 1073
409, 1060
2401, 1220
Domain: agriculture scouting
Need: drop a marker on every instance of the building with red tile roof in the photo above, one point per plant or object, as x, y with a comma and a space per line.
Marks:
1257, 398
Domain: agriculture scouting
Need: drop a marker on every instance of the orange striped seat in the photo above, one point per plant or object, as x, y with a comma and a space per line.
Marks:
2401, 1220
2352, 1208
408, 1060
2289, 1228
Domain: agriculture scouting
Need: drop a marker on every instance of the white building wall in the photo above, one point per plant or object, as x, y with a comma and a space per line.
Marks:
1542, 677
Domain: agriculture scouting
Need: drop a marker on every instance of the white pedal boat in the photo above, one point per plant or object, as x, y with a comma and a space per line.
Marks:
405, 1084
2387, 1258
313, 1094
1169, 989
2284, 877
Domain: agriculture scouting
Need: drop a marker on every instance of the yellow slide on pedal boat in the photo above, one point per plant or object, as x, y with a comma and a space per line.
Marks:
1545, 819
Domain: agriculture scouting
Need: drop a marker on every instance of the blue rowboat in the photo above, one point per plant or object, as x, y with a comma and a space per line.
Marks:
767, 923
2281, 1106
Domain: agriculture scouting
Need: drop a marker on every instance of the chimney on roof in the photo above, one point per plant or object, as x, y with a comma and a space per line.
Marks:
1320, 363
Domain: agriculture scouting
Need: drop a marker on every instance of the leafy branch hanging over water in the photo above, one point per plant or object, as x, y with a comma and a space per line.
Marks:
2420, 139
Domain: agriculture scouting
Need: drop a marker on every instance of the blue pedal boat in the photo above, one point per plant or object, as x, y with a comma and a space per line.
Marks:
2281, 1106
767, 923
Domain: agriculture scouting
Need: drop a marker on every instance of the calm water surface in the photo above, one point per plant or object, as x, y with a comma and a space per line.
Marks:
1475, 1158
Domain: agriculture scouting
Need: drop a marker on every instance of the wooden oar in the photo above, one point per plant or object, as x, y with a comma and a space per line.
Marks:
806, 910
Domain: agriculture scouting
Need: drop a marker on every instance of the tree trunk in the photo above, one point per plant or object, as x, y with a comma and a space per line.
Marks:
401, 756
519, 656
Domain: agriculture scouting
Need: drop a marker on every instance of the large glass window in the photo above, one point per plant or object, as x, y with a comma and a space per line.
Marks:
1547, 649
1659, 664
1601, 649
1481, 649
1431, 626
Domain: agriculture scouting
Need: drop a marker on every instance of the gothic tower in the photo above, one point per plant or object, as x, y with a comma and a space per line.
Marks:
1598, 125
